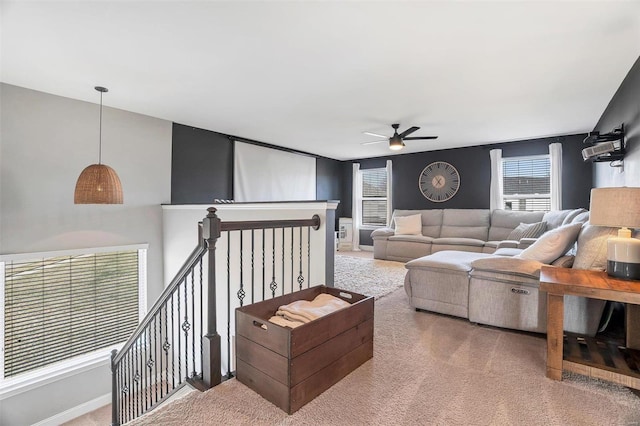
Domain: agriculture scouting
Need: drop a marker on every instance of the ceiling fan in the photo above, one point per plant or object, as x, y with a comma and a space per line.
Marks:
396, 142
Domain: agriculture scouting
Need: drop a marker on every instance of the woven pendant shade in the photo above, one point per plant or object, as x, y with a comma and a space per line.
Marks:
98, 184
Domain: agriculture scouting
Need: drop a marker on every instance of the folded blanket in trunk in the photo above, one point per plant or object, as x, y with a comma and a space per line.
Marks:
305, 310
283, 322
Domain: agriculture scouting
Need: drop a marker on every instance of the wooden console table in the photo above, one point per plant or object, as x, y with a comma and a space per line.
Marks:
587, 355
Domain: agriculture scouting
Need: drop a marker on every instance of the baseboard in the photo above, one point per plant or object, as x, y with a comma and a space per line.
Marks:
366, 248
76, 411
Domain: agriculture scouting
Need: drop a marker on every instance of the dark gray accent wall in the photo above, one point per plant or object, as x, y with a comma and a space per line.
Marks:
202, 169
346, 184
624, 107
474, 167
201, 166
329, 183
329, 249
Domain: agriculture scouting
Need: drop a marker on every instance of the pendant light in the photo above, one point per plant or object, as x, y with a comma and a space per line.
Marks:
98, 183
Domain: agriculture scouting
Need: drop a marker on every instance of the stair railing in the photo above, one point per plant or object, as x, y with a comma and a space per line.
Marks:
177, 342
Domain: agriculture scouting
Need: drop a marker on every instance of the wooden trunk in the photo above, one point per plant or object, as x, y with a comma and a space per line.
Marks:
290, 367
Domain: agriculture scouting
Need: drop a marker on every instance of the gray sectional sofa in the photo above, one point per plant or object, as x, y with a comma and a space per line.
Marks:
501, 289
465, 265
471, 230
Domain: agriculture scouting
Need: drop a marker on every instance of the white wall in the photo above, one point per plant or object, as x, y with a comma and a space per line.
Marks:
45, 142
606, 176
181, 237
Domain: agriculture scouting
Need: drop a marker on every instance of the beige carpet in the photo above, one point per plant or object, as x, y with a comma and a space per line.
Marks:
366, 275
427, 369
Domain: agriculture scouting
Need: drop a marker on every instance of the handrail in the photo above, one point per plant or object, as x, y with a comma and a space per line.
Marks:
135, 373
189, 264
314, 222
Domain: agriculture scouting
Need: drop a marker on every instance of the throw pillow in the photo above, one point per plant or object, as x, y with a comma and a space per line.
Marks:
555, 218
572, 215
581, 218
527, 230
592, 247
552, 244
409, 225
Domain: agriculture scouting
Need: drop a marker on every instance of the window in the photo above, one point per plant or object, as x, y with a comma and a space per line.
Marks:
526, 183
374, 197
60, 305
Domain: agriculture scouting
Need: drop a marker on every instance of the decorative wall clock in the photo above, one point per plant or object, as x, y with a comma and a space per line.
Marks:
439, 181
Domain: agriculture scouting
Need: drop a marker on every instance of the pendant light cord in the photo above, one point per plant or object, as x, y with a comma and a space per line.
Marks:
100, 138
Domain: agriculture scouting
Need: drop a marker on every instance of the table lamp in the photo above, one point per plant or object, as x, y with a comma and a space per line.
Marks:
619, 207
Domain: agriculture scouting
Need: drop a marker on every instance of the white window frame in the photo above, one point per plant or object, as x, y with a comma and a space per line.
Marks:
360, 199
69, 367
525, 196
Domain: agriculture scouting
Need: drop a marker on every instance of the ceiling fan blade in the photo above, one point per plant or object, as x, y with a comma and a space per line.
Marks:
376, 135
420, 137
408, 131
374, 142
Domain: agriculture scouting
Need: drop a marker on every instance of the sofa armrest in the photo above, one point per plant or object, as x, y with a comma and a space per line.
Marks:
382, 232
507, 244
526, 242
509, 265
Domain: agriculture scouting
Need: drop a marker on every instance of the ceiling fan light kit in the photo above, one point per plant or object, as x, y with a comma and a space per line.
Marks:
396, 142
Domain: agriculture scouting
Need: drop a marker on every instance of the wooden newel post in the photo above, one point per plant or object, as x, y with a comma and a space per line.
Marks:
211, 351
115, 421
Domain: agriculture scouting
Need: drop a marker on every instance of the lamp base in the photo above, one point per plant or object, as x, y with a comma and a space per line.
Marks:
623, 270
623, 256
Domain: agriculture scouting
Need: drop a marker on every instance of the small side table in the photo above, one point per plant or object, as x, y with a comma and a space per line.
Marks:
587, 355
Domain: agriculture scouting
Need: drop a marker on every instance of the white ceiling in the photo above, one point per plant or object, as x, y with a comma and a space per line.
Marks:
314, 75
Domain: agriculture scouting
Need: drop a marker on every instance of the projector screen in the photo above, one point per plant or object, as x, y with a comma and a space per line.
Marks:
265, 174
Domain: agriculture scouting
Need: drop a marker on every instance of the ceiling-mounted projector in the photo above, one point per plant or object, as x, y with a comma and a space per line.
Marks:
597, 150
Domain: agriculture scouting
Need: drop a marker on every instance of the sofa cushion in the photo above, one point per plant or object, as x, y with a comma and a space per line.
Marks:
565, 261
492, 244
407, 247
411, 238
552, 244
471, 242
446, 260
526, 242
528, 230
504, 221
382, 233
409, 225
465, 223
507, 244
508, 251
592, 247
431, 220
516, 266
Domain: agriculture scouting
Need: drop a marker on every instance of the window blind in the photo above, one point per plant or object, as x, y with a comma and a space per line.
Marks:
526, 183
60, 307
374, 197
